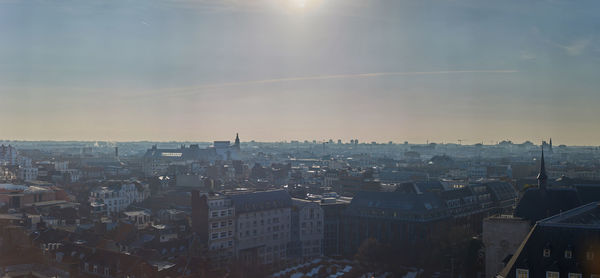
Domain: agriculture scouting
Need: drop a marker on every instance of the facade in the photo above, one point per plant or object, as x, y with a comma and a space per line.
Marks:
502, 236
140, 218
564, 245
263, 226
28, 173
19, 196
405, 218
307, 227
8, 155
117, 197
221, 229
333, 211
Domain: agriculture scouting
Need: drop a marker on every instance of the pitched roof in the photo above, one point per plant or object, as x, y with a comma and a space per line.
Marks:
539, 203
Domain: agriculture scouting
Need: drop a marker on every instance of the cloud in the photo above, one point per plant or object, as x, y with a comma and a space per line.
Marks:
195, 89
527, 55
577, 47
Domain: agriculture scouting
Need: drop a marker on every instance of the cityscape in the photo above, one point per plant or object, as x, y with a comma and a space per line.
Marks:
299, 138
330, 208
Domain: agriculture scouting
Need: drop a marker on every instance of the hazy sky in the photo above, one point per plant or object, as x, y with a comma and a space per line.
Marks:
275, 70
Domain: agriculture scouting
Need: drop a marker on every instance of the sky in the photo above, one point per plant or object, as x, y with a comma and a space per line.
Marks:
274, 70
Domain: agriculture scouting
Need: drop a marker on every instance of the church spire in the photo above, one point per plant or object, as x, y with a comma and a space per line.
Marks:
542, 177
237, 141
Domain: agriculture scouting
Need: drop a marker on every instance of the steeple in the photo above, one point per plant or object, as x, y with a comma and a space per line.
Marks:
237, 141
542, 177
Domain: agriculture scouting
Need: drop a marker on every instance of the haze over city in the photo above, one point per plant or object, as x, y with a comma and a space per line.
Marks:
295, 70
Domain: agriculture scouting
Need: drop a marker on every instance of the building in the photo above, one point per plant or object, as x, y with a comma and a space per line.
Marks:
263, 226
502, 236
8, 155
28, 173
333, 212
18, 196
307, 230
541, 202
156, 162
564, 245
118, 196
419, 214
140, 218
213, 220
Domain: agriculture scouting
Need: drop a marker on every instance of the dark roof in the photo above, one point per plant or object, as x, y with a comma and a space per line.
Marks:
261, 200
576, 230
428, 186
501, 190
395, 201
539, 203
588, 192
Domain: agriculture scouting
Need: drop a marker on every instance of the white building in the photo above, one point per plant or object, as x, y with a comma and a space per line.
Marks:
28, 173
140, 218
221, 229
8, 155
263, 226
117, 197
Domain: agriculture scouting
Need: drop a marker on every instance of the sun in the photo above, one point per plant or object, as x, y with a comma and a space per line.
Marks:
301, 4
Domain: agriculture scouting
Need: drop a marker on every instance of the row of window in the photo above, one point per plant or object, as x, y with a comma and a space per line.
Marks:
568, 254
221, 213
524, 273
221, 235
215, 225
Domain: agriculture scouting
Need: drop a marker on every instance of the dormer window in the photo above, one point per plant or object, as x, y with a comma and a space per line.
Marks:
522, 273
546, 252
568, 254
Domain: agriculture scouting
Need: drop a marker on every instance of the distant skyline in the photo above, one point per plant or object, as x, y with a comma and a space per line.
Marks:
274, 70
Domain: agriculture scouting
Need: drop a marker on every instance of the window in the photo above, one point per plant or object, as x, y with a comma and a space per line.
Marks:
589, 255
214, 235
214, 214
215, 225
546, 252
568, 254
552, 274
95, 269
86, 267
106, 273
575, 275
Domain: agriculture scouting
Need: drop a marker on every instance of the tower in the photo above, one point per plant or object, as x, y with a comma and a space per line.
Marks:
542, 177
237, 141
550, 145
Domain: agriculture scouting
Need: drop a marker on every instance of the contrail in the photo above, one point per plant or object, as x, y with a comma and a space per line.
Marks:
177, 91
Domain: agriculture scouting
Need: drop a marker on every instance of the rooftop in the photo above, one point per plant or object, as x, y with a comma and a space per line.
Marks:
587, 216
